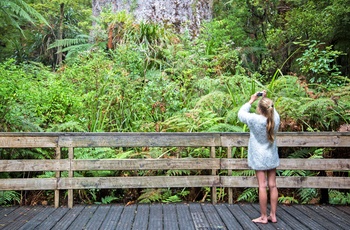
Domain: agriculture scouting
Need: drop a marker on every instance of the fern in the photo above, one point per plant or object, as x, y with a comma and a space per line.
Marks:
8, 197
287, 200
249, 195
336, 197
151, 195
177, 172
172, 199
81, 39
108, 199
244, 173
307, 194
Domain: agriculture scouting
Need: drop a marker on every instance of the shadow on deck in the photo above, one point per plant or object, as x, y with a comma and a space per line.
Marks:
172, 216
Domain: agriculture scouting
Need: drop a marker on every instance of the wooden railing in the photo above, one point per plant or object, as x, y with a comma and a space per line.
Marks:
213, 165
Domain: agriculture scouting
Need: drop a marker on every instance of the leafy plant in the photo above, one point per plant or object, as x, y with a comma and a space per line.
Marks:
337, 197
320, 64
249, 195
9, 197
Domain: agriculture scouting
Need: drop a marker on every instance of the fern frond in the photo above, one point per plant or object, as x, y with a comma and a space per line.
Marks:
151, 195
249, 195
307, 194
7, 197
81, 39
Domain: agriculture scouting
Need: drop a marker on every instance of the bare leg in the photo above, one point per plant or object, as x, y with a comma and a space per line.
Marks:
262, 197
271, 177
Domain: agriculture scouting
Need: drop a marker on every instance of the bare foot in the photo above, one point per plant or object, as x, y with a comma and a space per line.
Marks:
273, 220
260, 220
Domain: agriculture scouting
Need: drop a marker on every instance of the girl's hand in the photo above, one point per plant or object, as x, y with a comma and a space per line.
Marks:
253, 98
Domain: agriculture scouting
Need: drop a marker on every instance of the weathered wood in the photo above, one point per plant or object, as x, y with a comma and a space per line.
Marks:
70, 175
293, 164
28, 184
34, 165
28, 142
288, 182
140, 140
58, 175
165, 164
138, 182
293, 139
173, 216
213, 172
212, 140
146, 164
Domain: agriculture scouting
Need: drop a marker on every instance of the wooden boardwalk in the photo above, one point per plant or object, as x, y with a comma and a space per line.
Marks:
171, 216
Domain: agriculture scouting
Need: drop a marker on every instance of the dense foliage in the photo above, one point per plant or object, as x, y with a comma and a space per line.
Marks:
147, 78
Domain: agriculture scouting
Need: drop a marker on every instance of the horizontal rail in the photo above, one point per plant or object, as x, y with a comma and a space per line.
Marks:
168, 182
214, 169
165, 164
83, 140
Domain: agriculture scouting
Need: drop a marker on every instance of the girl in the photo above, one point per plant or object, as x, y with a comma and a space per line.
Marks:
262, 151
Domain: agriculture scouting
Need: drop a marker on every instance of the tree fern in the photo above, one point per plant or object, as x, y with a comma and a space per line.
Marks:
13, 10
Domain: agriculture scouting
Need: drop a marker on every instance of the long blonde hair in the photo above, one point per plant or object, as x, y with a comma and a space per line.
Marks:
266, 108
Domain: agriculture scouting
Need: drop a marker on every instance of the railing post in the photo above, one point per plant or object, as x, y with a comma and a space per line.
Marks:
70, 175
213, 172
58, 175
229, 173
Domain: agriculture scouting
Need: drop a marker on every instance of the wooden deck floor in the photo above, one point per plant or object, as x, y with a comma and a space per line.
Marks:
172, 216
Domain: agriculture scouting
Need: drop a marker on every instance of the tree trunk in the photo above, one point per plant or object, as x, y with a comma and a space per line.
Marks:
60, 35
185, 15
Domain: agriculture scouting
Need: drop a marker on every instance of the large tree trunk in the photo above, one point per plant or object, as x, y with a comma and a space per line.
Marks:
185, 15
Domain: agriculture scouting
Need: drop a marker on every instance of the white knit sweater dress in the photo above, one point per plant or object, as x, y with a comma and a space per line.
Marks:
262, 154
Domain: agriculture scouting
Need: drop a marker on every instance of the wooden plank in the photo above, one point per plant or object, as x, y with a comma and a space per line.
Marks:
292, 221
309, 222
324, 221
13, 217
302, 164
98, 217
25, 215
70, 175
127, 217
213, 172
288, 182
28, 184
213, 217
170, 218
314, 139
37, 218
242, 217
145, 164
198, 216
28, 142
52, 219
68, 218
112, 218
227, 216
137, 182
155, 216
184, 217
329, 214
139, 140
34, 165
252, 213
141, 217
83, 218
281, 224
293, 139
